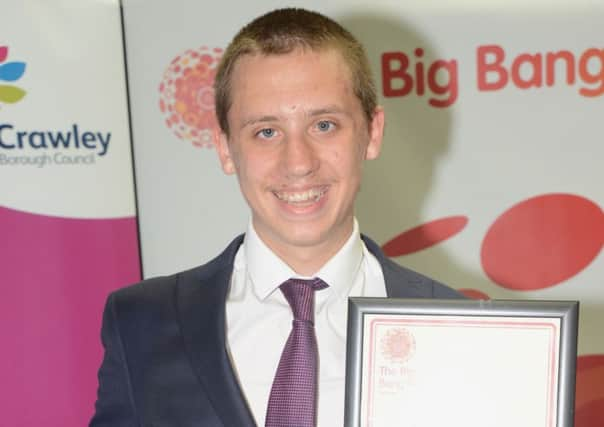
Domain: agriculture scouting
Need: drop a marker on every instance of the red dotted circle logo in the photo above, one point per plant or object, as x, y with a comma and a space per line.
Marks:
187, 95
398, 345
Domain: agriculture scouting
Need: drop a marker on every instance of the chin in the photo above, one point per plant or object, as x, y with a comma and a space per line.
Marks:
303, 238
309, 235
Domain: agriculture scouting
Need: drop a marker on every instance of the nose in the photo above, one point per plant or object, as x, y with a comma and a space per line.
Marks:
300, 157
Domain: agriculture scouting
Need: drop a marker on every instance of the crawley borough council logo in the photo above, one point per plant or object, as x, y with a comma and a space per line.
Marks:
187, 95
398, 345
10, 72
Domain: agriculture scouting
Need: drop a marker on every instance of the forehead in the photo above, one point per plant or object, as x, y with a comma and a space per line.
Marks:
299, 77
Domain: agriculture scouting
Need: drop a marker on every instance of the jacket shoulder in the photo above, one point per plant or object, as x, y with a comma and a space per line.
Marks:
402, 282
406, 283
163, 290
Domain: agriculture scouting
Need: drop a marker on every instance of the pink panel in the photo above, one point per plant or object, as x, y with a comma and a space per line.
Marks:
56, 274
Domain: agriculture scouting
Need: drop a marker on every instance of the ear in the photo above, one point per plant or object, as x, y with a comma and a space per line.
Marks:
376, 134
221, 143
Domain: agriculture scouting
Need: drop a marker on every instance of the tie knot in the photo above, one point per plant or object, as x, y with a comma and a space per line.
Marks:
299, 293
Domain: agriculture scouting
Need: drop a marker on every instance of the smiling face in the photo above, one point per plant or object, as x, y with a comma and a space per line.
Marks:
297, 141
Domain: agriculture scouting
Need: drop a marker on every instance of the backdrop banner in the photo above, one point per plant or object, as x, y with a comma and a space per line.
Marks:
490, 178
67, 208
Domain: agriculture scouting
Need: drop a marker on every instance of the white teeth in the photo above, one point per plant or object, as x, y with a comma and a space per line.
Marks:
313, 194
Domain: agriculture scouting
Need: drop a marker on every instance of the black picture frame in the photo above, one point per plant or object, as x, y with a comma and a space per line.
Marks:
375, 313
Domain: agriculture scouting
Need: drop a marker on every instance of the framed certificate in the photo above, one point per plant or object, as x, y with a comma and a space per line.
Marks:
460, 363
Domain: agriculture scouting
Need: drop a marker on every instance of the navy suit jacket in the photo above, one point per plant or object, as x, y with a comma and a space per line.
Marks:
166, 363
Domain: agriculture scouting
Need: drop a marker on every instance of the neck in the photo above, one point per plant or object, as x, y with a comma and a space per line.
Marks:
307, 260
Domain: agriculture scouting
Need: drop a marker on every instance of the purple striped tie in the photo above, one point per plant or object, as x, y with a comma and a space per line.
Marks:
293, 398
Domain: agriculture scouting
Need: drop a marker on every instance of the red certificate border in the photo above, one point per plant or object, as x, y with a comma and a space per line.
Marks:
470, 322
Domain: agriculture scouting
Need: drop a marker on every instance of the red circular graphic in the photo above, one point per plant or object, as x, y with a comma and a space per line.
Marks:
589, 397
474, 294
543, 241
425, 235
398, 345
187, 95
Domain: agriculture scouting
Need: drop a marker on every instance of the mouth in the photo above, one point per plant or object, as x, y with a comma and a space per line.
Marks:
311, 195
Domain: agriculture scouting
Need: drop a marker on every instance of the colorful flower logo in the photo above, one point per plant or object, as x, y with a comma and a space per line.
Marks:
187, 95
10, 72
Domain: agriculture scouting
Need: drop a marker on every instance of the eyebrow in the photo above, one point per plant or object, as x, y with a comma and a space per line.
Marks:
262, 119
329, 109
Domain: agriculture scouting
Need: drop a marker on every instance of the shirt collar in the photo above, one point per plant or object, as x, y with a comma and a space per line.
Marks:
267, 271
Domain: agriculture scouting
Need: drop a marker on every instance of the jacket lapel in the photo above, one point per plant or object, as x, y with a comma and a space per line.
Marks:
201, 301
404, 283
400, 282
201, 304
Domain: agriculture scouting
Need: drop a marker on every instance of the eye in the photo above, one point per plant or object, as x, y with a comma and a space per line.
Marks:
266, 133
325, 125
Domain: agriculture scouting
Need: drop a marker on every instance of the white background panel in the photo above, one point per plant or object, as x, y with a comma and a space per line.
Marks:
73, 55
477, 158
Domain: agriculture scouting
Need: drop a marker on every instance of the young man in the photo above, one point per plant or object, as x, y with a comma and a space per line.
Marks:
209, 346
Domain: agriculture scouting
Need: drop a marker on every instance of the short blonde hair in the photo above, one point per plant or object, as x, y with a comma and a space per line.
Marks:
282, 31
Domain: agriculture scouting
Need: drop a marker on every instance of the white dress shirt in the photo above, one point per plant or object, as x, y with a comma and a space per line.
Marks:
259, 319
